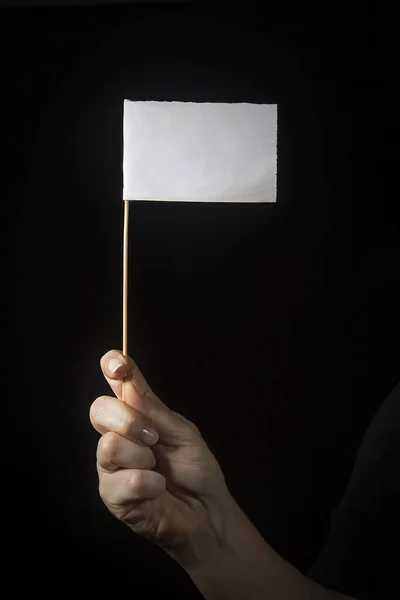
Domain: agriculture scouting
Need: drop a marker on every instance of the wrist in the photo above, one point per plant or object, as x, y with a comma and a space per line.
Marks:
232, 560
211, 540
239, 564
228, 536
235, 563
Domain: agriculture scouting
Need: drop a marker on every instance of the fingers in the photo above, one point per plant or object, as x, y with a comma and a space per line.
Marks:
109, 414
171, 427
130, 485
115, 452
116, 367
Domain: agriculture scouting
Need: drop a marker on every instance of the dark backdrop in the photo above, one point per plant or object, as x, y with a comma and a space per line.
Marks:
274, 327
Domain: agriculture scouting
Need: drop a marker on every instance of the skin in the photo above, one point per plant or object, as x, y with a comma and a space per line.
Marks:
171, 491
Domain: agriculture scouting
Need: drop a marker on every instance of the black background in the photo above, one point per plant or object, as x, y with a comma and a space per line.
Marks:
274, 327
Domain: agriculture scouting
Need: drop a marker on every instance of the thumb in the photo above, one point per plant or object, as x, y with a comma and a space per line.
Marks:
172, 427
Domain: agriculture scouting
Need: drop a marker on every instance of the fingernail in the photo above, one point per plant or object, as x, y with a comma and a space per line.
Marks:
149, 436
114, 364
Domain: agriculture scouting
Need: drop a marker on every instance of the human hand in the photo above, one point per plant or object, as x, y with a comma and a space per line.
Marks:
169, 489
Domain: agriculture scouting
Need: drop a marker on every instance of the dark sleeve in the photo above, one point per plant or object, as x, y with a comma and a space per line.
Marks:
361, 557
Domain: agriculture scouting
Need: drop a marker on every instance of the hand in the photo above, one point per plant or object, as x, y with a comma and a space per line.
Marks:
170, 488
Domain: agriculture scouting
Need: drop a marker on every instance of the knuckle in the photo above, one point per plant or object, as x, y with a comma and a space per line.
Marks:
135, 483
195, 428
95, 409
102, 491
107, 447
127, 424
188, 424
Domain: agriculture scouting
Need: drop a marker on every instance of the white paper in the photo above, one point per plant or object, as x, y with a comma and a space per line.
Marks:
200, 152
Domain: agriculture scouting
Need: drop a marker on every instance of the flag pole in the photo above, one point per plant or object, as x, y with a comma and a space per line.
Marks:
125, 286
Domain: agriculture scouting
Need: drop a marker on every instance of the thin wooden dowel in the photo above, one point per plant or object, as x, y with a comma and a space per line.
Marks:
125, 286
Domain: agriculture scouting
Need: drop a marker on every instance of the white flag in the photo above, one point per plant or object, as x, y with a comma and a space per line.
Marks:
200, 152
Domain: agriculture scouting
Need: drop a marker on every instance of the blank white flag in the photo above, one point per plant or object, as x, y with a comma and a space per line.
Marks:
200, 152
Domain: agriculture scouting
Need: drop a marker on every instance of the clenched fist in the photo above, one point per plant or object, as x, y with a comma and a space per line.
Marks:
156, 472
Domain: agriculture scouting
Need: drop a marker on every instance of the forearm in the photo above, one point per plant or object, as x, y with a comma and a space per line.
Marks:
244, 567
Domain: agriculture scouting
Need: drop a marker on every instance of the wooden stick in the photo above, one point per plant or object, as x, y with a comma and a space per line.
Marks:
125, 286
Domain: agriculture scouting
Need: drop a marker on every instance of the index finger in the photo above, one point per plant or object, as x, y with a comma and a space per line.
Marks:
116, 368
